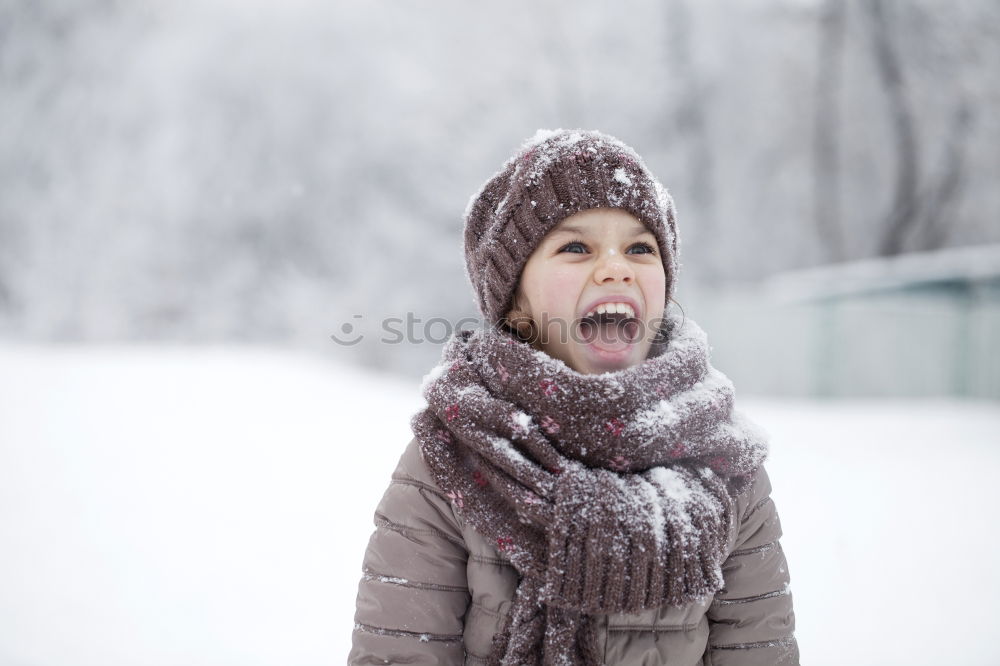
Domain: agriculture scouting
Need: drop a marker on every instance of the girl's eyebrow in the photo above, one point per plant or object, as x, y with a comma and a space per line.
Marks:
570, 229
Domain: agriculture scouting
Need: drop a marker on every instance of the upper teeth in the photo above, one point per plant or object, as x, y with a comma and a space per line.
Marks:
612, 308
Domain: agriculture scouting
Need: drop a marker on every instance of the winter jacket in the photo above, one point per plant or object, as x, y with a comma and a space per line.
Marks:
434, 591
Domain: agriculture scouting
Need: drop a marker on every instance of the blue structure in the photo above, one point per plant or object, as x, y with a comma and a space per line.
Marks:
921, 324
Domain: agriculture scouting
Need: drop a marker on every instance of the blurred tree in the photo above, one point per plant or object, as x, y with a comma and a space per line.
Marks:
264, 171
826, 135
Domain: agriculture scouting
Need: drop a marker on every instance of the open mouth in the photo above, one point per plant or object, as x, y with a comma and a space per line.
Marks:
611, 331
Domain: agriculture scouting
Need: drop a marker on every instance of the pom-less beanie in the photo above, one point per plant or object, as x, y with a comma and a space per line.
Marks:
554, 174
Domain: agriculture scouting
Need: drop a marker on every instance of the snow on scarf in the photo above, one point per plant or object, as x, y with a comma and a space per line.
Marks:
609, 492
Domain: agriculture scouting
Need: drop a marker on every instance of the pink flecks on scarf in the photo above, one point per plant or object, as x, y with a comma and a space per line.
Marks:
504, 543
548, 386
620, 464
531, 498
678, 450
451, 411
443, 436
454, 366
480, 480
615, 426
550, 425
502, 371
719, 464
456, 497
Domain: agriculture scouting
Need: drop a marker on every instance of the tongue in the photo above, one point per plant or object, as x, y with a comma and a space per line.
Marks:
609, 336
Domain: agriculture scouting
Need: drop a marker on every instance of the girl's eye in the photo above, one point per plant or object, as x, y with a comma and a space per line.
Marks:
644, 248
576, 247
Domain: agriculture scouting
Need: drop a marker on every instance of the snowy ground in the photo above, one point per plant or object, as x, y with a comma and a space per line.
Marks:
177, 506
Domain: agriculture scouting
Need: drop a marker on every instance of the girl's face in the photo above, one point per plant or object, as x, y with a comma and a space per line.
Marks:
594, 263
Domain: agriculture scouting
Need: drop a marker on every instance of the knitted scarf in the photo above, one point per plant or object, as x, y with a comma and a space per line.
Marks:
608, 492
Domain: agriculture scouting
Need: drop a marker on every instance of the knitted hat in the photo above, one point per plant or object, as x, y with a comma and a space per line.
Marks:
554, 174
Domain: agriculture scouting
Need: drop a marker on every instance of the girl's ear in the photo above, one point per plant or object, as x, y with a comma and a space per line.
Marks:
519, 321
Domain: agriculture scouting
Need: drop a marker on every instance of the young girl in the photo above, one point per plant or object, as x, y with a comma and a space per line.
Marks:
580, 489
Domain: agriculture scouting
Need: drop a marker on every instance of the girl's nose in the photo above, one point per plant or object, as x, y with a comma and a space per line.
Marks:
612, 266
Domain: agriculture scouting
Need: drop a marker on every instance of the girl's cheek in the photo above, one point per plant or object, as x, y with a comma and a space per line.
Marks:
654, 284
562, 290
652, 278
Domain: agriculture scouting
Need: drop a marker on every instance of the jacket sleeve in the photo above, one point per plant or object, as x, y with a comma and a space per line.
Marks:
751, 619
413, 594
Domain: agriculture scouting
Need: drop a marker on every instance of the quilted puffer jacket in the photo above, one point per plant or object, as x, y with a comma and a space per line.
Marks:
433, 591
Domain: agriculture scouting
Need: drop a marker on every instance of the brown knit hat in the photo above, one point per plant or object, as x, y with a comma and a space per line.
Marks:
554, 174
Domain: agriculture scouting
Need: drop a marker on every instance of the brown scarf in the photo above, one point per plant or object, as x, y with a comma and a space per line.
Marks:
609, 493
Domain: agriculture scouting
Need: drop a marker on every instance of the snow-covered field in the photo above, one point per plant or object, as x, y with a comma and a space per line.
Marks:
211, 506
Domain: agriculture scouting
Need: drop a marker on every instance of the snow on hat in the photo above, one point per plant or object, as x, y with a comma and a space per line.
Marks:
554, 174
